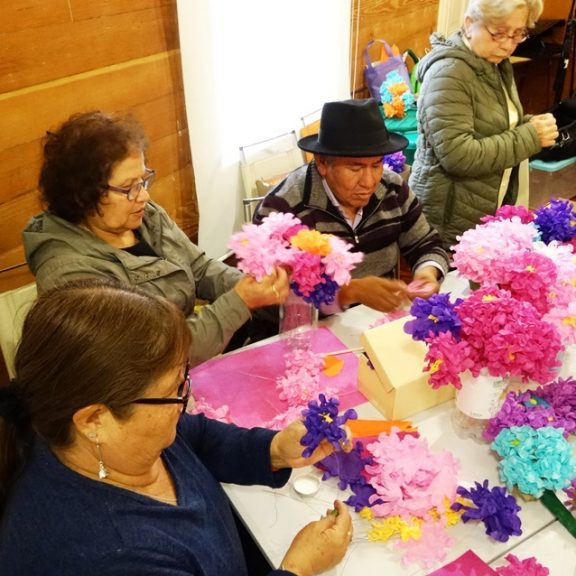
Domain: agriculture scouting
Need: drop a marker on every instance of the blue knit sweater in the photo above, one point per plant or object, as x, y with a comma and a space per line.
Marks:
59, 522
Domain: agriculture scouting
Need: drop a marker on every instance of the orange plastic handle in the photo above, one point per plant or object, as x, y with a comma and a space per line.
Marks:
364, 428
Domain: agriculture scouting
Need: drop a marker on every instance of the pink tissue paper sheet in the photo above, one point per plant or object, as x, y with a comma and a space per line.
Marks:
469, 564
246, 380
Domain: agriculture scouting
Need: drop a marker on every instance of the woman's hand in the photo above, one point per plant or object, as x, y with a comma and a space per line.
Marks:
286, 450
272, 289
546, 128
320, 545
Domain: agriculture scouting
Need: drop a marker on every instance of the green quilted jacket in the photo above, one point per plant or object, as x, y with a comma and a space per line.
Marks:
464, 141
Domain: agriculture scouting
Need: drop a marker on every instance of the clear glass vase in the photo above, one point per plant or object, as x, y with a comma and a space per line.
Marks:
477, 401
298, 319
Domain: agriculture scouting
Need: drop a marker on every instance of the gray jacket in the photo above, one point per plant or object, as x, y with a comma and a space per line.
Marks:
58, 251
465, 142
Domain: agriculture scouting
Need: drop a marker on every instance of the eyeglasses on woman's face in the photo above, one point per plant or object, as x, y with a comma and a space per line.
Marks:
517, 36
182, 397
133, 191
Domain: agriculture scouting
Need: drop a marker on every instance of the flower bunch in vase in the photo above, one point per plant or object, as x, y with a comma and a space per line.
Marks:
490, 332
529, 254
319, 263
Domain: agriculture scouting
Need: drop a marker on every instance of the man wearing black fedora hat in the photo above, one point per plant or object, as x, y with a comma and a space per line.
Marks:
346, 192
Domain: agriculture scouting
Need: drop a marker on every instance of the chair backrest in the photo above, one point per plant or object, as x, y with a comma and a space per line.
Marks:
310, 125
264, 164
14, 306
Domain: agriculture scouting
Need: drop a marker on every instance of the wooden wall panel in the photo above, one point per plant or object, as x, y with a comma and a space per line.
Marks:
406, 23
59, 57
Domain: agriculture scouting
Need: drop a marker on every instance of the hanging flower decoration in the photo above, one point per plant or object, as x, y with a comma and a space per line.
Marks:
319, 263
494, 507
534, 460
395, 95
323, 423
499, 333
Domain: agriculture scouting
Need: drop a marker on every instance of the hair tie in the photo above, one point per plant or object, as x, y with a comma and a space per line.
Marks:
11, 406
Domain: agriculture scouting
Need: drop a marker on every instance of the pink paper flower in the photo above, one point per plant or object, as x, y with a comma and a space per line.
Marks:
319, 263
408, 477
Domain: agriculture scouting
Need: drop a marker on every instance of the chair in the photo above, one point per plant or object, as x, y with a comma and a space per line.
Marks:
310, 125
264, 164
14, 306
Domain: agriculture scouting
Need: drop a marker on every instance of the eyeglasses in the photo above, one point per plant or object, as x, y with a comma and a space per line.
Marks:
133, 191
183, 393
500, 37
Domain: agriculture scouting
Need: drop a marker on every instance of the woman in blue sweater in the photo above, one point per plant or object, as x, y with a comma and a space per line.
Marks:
101, 469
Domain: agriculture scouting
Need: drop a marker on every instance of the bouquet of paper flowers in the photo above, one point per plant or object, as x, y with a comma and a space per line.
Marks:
529, 254
490, 330
319, 263
396, 96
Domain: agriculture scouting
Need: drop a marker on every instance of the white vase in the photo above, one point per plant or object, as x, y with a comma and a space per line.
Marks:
477, 401
568, 359
297, 320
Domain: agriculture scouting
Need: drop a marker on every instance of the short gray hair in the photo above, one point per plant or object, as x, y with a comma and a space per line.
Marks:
494, 11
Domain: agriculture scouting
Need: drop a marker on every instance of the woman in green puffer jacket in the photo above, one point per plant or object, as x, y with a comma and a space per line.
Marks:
474, 139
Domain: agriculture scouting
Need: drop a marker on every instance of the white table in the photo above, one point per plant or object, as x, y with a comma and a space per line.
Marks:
275, 516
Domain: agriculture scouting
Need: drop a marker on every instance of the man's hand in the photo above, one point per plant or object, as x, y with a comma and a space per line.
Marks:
425, 283
378, 293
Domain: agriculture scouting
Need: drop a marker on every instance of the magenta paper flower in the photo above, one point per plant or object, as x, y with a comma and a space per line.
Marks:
526, 567
409, 477
446, 358
508, 336
529, 276
507, 212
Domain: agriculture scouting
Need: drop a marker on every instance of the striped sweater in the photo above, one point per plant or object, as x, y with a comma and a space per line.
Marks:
392, 221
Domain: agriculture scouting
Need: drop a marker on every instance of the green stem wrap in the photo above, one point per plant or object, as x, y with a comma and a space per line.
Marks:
551, 501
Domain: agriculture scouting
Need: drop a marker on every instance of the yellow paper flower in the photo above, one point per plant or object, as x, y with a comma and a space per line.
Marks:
312, 241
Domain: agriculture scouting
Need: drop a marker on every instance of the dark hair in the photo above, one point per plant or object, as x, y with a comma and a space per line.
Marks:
79, 158
88, 342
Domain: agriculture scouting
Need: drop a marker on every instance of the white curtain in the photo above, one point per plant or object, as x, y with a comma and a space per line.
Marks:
252, 69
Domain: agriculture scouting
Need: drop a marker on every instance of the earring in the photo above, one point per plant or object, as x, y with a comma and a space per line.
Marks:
102, 470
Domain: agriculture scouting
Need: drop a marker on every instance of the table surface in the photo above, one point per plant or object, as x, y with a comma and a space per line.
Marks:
275, 516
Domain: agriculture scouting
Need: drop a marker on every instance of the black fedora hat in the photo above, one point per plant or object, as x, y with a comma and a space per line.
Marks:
353, 128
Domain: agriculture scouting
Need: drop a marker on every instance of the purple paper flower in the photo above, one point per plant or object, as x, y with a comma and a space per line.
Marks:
395, 162
571, 493
323, 423
346, 466
525, 409
323, 293
556, 221
561, 395
436, 314
363, 497
497, 510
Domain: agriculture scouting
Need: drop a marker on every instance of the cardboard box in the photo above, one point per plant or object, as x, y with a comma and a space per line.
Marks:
393, 379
